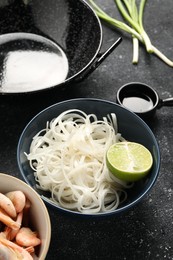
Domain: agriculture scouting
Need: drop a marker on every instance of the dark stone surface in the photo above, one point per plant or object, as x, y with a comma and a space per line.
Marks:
146, 231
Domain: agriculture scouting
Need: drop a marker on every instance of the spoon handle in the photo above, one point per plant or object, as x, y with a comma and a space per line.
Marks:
167, 102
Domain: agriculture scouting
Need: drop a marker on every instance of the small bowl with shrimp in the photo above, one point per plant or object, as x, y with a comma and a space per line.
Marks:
62, 152
25, 228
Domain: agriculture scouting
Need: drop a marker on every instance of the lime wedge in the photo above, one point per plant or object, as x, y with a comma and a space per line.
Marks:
129, 161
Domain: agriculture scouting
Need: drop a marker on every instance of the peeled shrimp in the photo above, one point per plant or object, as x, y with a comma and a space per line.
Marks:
7, 205
8, 220
26, 237
7, 253
17, 240
19, 251
18, 199
11, 233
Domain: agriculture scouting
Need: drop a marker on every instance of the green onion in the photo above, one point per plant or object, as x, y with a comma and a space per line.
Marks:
133, 24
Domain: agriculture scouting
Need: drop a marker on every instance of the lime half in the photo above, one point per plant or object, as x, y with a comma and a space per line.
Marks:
129, 161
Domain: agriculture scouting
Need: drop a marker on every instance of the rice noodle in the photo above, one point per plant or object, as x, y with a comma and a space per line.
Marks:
69, 160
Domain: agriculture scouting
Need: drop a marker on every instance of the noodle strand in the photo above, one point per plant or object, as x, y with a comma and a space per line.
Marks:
68, 158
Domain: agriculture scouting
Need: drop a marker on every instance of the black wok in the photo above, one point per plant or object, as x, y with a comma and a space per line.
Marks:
67, 30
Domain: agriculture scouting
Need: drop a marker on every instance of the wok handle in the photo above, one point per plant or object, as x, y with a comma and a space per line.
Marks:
167, 102
100, 58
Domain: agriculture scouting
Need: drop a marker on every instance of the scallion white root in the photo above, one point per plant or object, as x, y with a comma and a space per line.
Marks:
133, 24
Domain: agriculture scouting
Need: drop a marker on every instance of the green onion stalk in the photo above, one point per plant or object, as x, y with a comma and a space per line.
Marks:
133, 24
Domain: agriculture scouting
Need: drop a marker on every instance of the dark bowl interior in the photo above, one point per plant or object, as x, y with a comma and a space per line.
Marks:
71, 24
137, 89
130, 126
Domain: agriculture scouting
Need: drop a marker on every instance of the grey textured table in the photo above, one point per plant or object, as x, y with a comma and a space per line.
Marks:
146, 231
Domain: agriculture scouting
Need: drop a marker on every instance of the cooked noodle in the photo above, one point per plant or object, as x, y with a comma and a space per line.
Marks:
69, 160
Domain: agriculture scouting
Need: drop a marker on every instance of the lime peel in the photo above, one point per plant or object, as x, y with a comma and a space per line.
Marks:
129, 161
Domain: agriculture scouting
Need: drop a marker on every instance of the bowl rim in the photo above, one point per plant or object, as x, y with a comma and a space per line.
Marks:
99, 214
7, 177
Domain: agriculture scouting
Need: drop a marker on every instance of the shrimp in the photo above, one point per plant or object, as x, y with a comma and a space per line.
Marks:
16, 242
20, 252
11, 233
26, 237
8, 220
7, 205
7, 253
18, 199
30, 249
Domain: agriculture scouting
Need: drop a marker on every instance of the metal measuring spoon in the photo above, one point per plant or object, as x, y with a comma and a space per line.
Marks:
141, 99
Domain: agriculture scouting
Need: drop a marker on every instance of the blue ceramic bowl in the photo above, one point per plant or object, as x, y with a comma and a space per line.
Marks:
132, 128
